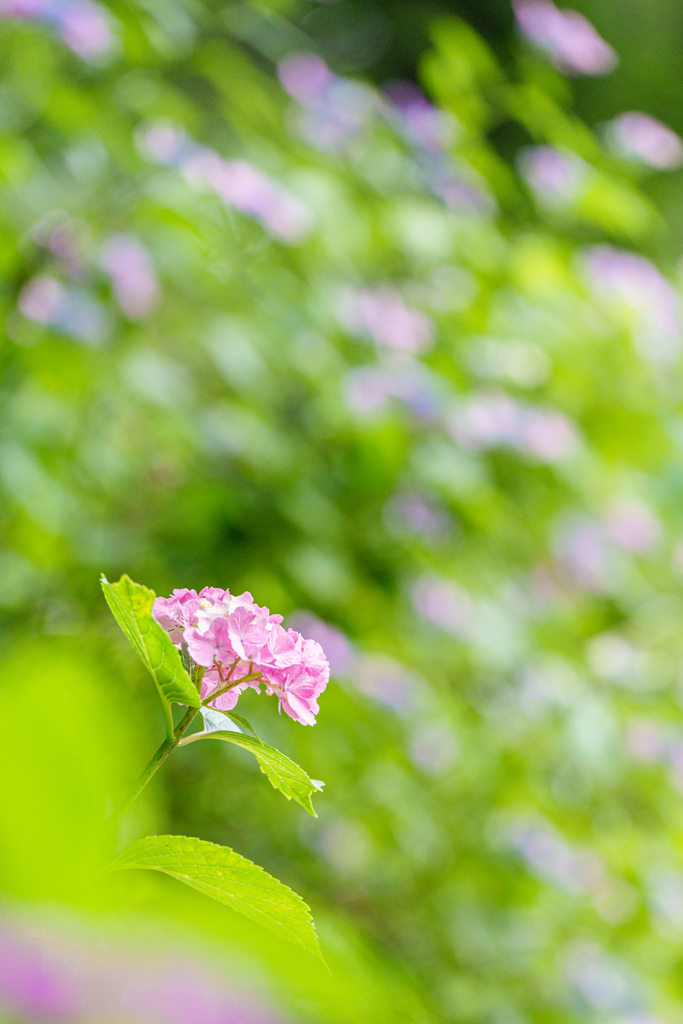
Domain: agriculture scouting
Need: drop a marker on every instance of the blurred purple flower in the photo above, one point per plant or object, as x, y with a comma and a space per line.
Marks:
335, 108
73, 311
568, 37
551, 857
413, 514
130, 267
638, 135
368, 389
444, 603
390, 683
41, 298
485, 421
167, 143
336, 645
177, 994
581, 548
555, 178
62, 239
491, 420
236, 182
46, 975
434, 748
425, 123
30, 987
635, 283
382, 313
633, 526
646, 741
305, 77
85, 26
547, 434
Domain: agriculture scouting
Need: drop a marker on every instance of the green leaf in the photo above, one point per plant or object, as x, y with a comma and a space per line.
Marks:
219, 872
283, 774
131, 606
243, 722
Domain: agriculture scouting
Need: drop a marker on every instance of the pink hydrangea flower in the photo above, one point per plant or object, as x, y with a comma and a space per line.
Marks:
234, 639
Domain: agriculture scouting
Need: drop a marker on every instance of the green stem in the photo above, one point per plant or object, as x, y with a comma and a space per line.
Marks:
228, 686
162, 753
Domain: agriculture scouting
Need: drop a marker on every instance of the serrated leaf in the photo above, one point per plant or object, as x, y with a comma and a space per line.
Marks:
131, 606
283, 773
222, 874
243, 722
215, 720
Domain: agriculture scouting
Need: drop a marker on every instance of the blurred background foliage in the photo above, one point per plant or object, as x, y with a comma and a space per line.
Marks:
406, 365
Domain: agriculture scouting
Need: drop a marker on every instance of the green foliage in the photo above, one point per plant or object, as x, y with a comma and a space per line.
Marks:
131, 606
282, 773
223, 875
503, 728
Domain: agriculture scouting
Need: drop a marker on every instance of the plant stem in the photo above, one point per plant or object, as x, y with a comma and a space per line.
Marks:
228, 686
162, 753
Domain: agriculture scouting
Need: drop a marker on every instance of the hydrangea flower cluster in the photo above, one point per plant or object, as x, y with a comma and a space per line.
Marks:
240, 644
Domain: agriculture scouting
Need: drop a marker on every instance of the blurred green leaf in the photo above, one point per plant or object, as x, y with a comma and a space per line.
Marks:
225, 876
131, 605
283, 774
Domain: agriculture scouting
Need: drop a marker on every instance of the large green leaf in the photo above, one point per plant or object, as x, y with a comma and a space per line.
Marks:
284, 774
131, 606
219, 872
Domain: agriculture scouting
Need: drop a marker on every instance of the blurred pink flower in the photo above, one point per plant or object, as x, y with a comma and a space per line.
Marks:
22, 8
646, 741
85, 26
335, 108
551, 857
581, 548
30, 987
414, 514
336, 645
232, 637
491, 420
390, 683
636, 284
129, 265
638, 135
368, 389
568, 37
165, 142
76, 976
484, 421
425, 123
305, 77
444, 603
236, 182
382, 313
41, 298
554, 177
242, 186
547, 434
63, 240
633, 526
434, 748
